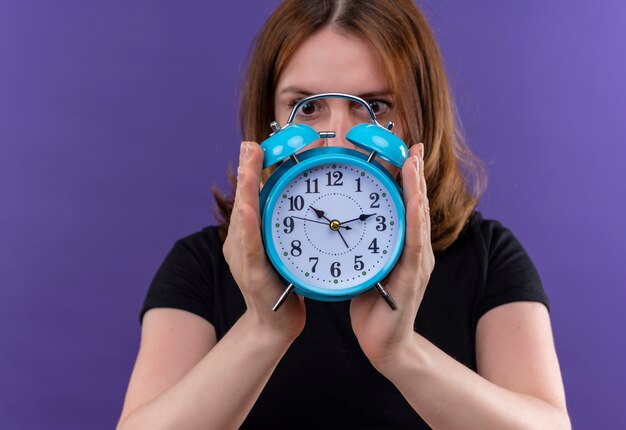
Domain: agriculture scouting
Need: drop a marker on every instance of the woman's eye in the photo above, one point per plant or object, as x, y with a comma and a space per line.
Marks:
308, 108
307, 111
379, 107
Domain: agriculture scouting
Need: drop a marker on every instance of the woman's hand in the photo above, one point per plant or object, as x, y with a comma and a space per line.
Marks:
244, 253
381, 331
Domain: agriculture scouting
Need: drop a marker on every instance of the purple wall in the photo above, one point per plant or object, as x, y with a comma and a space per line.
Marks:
116, 118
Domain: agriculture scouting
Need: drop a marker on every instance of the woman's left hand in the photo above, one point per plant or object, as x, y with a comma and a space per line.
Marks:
381, 331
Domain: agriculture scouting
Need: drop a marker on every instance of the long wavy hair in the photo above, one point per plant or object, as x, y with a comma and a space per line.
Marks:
400, 33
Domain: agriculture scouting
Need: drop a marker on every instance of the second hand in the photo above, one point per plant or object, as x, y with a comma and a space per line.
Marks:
318, 222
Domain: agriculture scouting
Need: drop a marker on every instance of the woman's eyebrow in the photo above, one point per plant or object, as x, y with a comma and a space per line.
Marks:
374, 94
296, 90
367, 95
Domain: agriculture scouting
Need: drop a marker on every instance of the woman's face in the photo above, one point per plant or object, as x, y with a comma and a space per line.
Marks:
329, 61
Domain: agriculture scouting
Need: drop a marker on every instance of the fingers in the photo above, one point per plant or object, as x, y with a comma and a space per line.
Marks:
410, 178
246, 213
424, 191
243, 248
415, 264
250, 235
246, 206
249, 175
416, 202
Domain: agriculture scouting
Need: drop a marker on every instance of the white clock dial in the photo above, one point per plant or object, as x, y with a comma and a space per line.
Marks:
335, 226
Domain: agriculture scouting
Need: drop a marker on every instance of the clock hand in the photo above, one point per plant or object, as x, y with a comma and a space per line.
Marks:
310, 220
333, 224
344, 241
320, 214
315, 221
361, 217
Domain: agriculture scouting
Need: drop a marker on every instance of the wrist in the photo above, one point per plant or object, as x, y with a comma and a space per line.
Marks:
267, 332
408, 354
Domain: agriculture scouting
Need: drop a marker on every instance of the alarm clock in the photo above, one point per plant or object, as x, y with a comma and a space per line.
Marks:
332, 219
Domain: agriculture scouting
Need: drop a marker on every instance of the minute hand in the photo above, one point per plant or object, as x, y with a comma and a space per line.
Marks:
361, 217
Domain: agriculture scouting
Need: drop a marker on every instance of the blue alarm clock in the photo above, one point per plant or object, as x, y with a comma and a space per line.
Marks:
332, 219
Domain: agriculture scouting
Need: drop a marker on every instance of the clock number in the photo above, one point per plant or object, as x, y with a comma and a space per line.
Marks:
314, 264
381, 226
288, 222
296, 203
358, 264
358, 185
337, 175
308, 185
295, 248
334, 269
373, 246
375, 197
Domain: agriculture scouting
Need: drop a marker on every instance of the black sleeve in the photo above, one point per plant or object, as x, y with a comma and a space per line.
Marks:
184, 280
511, 275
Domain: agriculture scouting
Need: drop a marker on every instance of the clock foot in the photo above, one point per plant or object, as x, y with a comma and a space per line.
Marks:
386, 296
283, 297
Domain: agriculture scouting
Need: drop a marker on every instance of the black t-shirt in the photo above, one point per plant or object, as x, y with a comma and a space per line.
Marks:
324, 381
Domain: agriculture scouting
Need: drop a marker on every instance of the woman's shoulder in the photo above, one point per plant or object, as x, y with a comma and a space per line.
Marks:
185, 278
488, 234
194, 258
200, 244
487, 246
478, 224
510, 273
204, 237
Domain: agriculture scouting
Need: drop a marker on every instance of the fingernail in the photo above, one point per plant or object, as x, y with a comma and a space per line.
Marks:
420, 150
416, 161
238, 174
246, 150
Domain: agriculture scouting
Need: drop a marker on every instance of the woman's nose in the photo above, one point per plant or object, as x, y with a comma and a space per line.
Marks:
340, 121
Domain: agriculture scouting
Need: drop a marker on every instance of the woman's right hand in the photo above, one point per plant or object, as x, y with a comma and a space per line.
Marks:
244, 253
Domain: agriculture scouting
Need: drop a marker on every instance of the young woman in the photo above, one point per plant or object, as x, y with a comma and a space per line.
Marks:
470, 345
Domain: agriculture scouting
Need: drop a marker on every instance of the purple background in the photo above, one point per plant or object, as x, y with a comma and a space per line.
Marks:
117, 117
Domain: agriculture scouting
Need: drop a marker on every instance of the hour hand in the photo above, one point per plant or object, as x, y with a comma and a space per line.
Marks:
319, 213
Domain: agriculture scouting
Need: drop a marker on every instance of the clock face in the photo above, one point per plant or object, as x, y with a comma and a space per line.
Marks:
336, 227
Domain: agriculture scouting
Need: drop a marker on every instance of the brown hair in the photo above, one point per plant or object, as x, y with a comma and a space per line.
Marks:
415, 70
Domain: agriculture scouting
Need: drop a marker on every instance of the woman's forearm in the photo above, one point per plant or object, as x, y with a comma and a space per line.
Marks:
448, 395
220, 390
